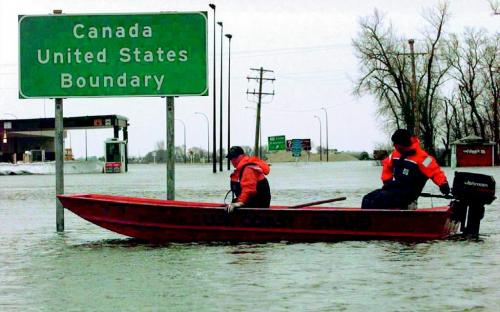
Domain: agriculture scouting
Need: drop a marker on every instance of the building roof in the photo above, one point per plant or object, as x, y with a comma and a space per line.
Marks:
45, 126
472, 139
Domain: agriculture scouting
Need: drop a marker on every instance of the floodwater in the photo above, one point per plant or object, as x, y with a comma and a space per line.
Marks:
88, 268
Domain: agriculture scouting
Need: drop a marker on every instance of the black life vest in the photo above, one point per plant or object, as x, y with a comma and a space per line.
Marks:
408, 179
260, 200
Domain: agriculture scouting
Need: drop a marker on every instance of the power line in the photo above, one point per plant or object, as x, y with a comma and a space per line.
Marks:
304, 110
291, 50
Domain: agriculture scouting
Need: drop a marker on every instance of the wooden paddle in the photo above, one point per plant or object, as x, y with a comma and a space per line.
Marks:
318, 202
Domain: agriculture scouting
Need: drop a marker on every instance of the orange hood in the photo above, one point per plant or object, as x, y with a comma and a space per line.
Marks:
254, 160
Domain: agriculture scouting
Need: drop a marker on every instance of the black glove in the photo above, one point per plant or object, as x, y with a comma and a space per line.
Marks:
445, 188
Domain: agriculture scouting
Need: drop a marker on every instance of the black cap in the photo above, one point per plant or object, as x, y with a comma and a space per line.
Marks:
401, 137
234, 152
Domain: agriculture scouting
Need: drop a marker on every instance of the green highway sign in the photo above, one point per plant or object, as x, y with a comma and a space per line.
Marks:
276, 143
99, 55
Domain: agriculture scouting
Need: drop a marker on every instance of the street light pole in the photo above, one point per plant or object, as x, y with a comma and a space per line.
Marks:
208, 134
185, 157
229, 36
214, 135
220, 96
327, 151
320, 141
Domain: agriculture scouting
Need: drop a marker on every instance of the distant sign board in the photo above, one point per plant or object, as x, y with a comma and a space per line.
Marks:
158, 54
296, 147
475, 155
276, 143
305, 144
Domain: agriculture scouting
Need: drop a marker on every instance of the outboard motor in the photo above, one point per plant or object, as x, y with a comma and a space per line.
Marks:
471, 192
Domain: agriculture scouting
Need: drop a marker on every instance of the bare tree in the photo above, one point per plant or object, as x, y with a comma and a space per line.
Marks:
160, 146
383, 73
495, 6
433, 74
386, 72
452, 125
464, 57
490, 60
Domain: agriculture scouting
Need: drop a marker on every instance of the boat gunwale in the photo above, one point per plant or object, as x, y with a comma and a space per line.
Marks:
156, 202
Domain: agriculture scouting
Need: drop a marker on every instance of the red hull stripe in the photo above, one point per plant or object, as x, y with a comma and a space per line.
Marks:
97, 220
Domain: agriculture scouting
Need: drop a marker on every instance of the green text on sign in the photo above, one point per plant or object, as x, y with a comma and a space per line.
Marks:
276, 143
163, 54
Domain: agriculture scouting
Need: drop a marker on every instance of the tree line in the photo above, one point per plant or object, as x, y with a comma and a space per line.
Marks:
199, 155
457, 78
187, 155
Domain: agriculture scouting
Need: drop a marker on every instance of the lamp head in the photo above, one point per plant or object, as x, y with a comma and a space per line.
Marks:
219, 23
229, 36
212, 5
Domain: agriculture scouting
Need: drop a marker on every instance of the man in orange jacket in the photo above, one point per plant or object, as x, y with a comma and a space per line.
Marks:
248, 180
404, 174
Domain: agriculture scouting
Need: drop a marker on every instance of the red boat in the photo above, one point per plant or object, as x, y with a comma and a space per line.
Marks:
181, 221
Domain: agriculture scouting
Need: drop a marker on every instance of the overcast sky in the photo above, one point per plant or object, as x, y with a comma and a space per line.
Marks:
306, 43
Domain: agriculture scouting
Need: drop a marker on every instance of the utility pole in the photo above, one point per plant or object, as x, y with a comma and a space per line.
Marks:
259, 95
416, 109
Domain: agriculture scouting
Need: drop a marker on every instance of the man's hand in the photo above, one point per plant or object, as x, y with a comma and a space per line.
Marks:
231, 207
445, 188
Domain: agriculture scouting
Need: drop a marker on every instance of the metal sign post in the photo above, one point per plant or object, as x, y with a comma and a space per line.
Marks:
170, 149
59, 150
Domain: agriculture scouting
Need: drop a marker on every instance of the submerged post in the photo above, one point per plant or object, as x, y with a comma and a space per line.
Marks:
59, 150
125, 138
170, 149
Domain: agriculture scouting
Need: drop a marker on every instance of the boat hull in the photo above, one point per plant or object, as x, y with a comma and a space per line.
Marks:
178, 221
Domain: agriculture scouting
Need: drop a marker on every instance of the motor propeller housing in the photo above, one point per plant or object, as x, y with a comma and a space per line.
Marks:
471, 192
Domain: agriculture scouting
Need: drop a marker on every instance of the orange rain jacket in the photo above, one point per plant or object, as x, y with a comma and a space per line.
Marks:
411, 169
250, 172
